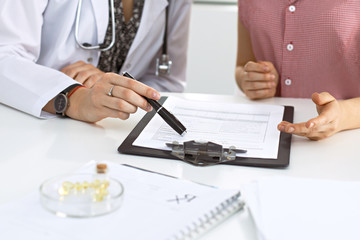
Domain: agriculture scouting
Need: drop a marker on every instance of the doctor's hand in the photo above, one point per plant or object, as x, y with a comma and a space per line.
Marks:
257, 79
84, 73
111, 96
332, 119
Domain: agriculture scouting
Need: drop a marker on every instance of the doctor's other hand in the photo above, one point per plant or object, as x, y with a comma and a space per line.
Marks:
84, 73
111, 96
332, 119
257, 80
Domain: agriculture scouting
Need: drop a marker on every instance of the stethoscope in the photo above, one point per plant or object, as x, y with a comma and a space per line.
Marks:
163, 64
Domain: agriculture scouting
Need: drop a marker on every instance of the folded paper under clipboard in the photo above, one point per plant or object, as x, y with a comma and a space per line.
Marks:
205, 158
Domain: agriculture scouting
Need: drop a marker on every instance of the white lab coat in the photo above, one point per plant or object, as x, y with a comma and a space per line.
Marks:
37, 40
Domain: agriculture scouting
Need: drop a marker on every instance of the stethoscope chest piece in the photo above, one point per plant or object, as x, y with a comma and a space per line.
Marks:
163, 65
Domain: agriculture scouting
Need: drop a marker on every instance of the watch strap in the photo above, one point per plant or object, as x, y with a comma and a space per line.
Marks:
71, 87
65, 93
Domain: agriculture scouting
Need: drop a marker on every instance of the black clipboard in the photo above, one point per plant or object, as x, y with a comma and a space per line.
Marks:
281, 161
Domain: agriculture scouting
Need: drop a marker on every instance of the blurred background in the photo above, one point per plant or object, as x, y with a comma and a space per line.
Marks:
212, 47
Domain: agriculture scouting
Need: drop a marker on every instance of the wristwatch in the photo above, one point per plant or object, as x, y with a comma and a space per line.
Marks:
61, 102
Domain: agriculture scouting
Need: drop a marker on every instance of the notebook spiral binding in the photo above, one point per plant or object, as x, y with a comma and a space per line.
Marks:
211, 219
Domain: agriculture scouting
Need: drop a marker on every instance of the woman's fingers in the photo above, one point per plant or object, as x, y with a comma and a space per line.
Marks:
260, 83
84, 73
261, 77
131, 97
135, 86
70, 70
259, 80
123, 94
322, 98
315, 132
260, 93
132, 91
111, 96
124, 100
326, 124
256, 67
109, 112
91, 80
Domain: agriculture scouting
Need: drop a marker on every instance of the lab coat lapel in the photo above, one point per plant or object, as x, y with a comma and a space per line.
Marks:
152, 10
101, 12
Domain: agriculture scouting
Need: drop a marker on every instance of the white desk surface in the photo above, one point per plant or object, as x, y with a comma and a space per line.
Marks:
32, 150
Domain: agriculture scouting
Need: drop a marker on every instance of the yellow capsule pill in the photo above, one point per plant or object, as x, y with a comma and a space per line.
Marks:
63, 191
96, 183
78, 186
104, 185
85, 185
68, 185
105, 192
98, 197
65, 188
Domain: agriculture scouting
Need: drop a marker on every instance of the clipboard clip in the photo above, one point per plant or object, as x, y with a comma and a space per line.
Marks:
203, 153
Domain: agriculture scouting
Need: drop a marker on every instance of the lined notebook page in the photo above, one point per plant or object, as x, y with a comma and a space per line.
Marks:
154, 207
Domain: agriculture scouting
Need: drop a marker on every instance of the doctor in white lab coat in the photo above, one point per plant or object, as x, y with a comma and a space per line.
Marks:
37, 40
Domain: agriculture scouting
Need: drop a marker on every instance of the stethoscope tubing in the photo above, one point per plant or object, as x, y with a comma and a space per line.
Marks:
96, 47
163, 66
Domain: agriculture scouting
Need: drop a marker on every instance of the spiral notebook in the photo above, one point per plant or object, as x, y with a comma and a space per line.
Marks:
155, 206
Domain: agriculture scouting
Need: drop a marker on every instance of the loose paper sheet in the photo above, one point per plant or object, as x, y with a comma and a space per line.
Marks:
246, 126
293, 208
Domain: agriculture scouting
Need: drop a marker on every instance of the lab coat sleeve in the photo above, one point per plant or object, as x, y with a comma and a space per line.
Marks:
24, 84
178, 36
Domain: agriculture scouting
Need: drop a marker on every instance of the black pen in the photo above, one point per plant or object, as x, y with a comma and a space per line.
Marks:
169, 118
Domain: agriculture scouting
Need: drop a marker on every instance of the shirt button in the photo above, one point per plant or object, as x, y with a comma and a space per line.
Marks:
290, 47
292, 8
288, 82
90, 59
128, 65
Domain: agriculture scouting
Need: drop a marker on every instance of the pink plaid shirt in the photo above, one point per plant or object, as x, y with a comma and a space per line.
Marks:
314, 44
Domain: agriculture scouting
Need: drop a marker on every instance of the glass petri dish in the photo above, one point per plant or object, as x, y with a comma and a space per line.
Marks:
81, 199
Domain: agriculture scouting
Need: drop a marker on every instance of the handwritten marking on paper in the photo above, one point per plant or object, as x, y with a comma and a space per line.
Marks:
186, 198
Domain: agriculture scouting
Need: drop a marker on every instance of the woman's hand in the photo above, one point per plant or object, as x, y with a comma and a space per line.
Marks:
257, 79
111, 96
84, 73
331, 119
